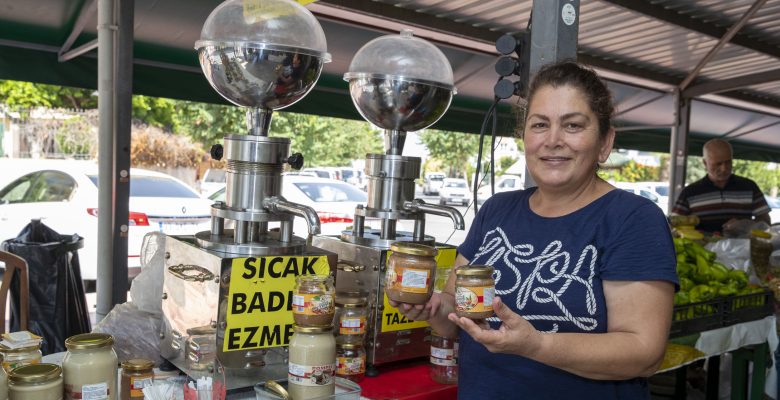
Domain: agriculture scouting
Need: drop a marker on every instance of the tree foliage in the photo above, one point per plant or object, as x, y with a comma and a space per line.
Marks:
27, 94
453, 149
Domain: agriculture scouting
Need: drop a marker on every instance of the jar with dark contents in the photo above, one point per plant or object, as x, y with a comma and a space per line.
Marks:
351, 361
350, 319
760, 250
313, 300
411, 273
474, 291
137, 373
444, 359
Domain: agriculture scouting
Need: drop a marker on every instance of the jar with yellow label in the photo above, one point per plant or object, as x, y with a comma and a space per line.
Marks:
137, 373
313, 300
350, 319
351, 361
474, 291
411, 272
35, 382
312, 363
21, 356
90, 367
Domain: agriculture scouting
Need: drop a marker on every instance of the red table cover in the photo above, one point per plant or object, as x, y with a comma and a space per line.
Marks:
410, 381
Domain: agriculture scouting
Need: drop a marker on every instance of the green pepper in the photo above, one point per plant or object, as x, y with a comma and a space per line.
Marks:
719, 272
739, 277
701, 293
685, 284
681, 298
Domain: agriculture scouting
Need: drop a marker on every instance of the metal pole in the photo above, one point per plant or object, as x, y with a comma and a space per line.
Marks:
554, 31
679, 146
123, 109
105, 156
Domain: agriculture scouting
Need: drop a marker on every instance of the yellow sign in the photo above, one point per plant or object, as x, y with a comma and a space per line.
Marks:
392, 320
259, 306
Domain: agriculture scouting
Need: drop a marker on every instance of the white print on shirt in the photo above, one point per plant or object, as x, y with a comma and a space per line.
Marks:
550, 275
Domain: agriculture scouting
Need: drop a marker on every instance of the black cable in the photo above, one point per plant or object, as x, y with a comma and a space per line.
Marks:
479, 151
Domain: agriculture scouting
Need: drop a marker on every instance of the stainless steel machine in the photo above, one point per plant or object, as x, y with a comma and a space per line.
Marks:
399, 83
228, 291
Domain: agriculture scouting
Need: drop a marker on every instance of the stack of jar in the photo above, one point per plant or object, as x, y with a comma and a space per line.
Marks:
312, 352
89, 370
350, 334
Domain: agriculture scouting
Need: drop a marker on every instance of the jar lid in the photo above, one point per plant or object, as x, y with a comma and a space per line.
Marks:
87, 341
474, 270
312, 329
350, 345
312, 278
137, 364
351, 301
35, 373
6, 349
277, 388
414, 249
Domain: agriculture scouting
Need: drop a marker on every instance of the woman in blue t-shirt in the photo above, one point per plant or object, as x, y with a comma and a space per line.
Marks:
585, 273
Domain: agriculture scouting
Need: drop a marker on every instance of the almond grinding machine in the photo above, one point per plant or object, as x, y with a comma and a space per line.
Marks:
227, 293
400, 83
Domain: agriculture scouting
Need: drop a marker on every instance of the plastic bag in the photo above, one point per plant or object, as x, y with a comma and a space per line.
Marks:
135, 332
146, 289
740, 228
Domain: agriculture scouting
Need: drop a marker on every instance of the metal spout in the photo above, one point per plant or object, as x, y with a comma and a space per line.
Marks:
279, 204
444, 211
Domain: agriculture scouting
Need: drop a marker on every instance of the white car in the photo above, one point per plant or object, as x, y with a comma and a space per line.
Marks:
334, 201
432, 182
504, 183
774, 206
640, 189
454, 190
661, 189
65, 198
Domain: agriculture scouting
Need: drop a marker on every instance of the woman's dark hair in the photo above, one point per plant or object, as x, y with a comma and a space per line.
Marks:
583, 78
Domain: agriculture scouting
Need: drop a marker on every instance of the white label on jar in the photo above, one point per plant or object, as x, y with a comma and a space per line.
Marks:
487, 296
351, 323
141, 383
95, 391
415, 278
443, 362
311, 375
438, 352
299, 300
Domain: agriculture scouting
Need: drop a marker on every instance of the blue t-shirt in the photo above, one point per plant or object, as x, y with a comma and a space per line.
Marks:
550, 271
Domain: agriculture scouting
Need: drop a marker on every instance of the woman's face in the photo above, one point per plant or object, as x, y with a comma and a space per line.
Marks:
562, 143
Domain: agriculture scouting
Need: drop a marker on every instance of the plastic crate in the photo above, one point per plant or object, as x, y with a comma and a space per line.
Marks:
693, 318
748, 307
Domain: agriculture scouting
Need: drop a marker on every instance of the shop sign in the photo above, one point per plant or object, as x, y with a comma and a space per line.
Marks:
392, 320
259, 307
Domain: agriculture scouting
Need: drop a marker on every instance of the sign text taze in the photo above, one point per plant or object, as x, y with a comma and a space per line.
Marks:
259, 309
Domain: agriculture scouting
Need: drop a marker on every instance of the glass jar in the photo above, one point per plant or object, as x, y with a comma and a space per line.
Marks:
18, 357
474, 291
350, 319
312, 363
444, 359
201, 347
137, 373
411, 272
90, 367
351, 361
313, 303
35, 382
760, 250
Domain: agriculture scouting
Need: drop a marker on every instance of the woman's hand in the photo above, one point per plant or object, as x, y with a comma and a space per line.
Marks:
419, 312
514, 336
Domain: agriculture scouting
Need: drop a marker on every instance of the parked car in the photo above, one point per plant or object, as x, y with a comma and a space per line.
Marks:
334, 201
325, 172
661, 189
65, 198
454, 190
432, 182
504, 183
640, 189
774, 206
354, 177
213, 180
